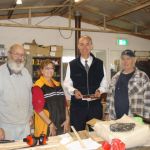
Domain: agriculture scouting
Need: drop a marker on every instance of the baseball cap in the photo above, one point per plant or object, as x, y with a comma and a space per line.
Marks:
128, 52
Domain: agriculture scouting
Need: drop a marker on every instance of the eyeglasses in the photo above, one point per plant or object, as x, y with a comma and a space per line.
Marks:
18, 55
49, 68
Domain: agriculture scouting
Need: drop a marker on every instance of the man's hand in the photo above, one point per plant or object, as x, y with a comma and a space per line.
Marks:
78, 94
106, 117
97, 94
2, 134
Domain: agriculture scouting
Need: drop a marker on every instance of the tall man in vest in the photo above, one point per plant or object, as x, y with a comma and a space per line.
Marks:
85, 77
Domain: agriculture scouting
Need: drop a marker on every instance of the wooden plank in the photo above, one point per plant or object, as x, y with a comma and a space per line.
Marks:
78, 137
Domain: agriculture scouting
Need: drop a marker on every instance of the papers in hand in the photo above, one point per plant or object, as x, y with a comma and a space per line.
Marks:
90, 97
89, 145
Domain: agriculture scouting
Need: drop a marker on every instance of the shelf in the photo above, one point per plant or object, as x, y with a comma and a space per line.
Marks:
36, 65
3, 60
33, 66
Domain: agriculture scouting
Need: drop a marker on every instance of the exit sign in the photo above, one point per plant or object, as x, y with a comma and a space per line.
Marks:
122, 42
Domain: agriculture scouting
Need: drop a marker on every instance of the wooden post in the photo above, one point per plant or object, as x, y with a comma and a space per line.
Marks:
77, 33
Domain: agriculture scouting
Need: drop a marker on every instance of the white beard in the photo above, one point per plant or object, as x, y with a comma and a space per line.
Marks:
15, 67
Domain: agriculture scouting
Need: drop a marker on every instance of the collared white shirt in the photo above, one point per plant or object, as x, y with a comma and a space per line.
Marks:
68, 83
89, 61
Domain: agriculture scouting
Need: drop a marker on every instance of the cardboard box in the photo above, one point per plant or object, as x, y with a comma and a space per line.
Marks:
36, 50
92, 122
56, 51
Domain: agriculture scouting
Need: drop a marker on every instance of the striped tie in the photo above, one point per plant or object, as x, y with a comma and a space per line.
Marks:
86, 66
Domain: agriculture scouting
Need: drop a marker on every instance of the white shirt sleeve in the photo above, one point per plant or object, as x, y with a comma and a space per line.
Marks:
104, 84
68, 84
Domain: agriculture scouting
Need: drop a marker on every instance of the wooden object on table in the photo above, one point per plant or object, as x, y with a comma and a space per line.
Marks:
91, 123
78, 137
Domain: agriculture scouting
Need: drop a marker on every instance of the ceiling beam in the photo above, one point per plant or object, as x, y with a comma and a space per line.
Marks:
92, 10
131, 10
132, 3
57, 10
55, 28
112, 28
10, 12
121, 30
26, 15
65, 6
97, 12
64, 28
33, 7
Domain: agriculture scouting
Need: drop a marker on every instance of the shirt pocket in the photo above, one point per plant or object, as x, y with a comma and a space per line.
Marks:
136, 86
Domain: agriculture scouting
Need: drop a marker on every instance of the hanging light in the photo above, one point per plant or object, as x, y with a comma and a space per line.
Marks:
19, 2
76, 1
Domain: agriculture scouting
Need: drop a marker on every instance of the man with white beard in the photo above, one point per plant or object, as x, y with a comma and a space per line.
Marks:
15, 95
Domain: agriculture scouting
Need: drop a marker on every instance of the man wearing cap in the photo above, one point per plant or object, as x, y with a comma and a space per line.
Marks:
129, 90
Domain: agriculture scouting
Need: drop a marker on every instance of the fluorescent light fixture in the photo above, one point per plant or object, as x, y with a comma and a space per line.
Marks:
19, 2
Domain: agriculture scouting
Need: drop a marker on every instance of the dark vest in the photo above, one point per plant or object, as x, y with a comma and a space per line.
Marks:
86, 84
55, 104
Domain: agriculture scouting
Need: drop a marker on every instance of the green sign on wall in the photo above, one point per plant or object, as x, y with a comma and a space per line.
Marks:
122, 42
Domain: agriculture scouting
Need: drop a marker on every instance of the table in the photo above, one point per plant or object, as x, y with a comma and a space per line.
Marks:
53, 143
93, 121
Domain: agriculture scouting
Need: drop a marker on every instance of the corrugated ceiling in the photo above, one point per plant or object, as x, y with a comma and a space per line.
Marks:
131, 16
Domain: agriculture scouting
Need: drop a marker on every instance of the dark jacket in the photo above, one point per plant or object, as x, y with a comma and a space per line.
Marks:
86, 83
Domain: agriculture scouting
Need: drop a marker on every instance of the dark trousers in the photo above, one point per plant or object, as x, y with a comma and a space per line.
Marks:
83, 111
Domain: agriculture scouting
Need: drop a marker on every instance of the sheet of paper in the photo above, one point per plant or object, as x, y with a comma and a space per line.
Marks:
89, 143
65, 138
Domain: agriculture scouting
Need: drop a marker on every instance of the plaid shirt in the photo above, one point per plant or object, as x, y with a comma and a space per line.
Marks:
138, 92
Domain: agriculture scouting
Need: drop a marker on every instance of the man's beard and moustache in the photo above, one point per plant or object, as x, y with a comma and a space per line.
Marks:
16, 66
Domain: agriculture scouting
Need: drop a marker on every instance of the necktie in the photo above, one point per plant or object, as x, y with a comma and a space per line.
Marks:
86, 66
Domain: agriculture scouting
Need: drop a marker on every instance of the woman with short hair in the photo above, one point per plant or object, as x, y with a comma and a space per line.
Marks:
49, 103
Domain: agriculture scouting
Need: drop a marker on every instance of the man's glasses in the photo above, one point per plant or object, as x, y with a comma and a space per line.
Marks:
18, 55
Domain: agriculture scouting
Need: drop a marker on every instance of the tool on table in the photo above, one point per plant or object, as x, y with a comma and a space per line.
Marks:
32, 140
78, 137
6, 141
